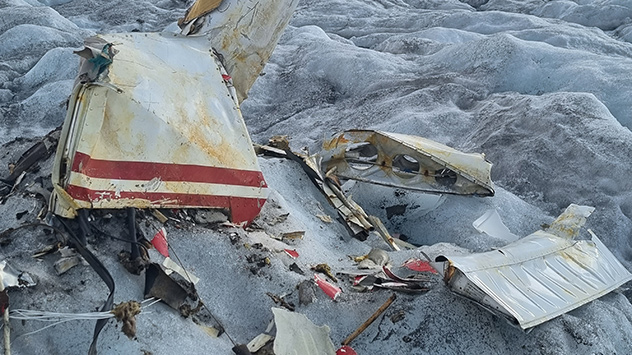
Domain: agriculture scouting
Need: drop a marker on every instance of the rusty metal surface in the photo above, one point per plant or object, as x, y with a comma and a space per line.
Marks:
408, 162
245, 33
541, 276
160, 129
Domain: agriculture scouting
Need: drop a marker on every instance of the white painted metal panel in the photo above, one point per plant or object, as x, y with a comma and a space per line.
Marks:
541, 276
160, 128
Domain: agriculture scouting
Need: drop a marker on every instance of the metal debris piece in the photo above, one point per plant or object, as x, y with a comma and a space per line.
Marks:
13, 278
491, 224
325, 218
49, 249
269, 151
297, 269
329, 289
159, 241
159, 216
172, 266
376, 258
209, 217
190, 146
64, 264
383, 232
158, 284
291, 252
419, 265
281, 301
292, 235
261, 340
211, 331
541, 276
243, 32
325, 269
38, 152
296, 334
384, 277
346, 350
407, 162
394, 160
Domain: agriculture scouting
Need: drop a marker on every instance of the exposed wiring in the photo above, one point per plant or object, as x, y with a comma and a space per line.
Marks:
58, 317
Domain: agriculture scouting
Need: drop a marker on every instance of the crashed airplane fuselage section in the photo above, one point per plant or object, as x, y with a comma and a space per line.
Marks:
160, 126
405, 161
541, 276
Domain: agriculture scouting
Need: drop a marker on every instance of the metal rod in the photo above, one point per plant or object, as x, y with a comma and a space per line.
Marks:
369, 321
131, 225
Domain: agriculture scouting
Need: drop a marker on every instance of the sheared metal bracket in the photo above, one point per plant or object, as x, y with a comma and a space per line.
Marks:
154, 122
541, 276
406, 162
394, 160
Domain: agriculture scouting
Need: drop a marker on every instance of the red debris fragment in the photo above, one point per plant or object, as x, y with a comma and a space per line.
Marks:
291, 252
226, 77
346, 350
159, 241
419, 265
358, 279
331, 290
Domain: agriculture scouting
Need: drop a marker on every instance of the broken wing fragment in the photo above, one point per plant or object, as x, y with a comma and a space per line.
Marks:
244, 32
407, 162
541, 276
160, 128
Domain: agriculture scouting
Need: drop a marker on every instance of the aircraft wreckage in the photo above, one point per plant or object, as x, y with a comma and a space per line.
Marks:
154, 121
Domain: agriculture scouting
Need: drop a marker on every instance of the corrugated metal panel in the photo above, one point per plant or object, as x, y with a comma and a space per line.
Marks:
405, 161
161, 130
541, 276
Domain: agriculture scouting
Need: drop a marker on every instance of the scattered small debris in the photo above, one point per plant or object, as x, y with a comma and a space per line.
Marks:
346, 350
135, 265
280, 301
159, 241
325, 269
211, 331
398, 316
374, 259
64, 264
294, 267
234, 238
329, 289
292, 235
171, 265
49, 249
419, 265
159, 216
209, 216
325, 218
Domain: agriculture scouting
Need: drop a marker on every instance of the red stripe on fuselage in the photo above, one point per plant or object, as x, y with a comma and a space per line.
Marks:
135, 170
242, 209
